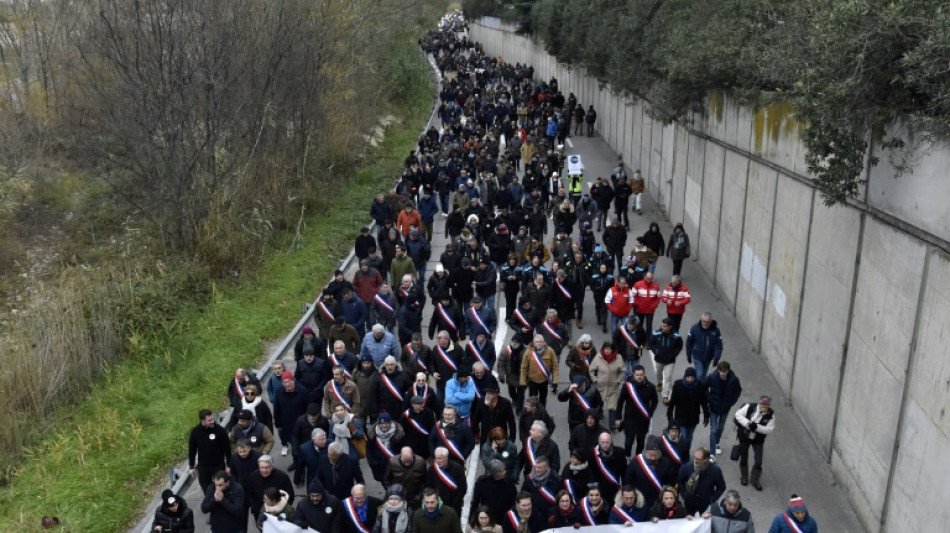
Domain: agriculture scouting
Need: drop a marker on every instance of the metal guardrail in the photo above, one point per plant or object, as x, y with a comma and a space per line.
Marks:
181, 481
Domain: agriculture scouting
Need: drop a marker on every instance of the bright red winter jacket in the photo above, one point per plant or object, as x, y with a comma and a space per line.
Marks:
676, 298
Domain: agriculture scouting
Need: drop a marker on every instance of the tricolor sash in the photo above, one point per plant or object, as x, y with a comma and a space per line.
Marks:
547, 494
382, 301
239, 388
522, 319
569, 486
515, 521
551, 331
478, 393
610, 476
415, 423
563, 290
446, 318
425, 391
445, 357
391, 386
587, 511
354, 515
629, 338
477, 353
632, 391
623, 514
529, 452
445, 477
450, 444
382, 448
581, 400
325, 310
584, 360
790, 522
478, 319
650, 474
336, 362
540, 363
404, 292
338, 392
671, 450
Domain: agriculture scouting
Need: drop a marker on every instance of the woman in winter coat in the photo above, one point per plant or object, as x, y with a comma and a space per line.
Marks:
668, 506
344, 428
576, 472
606, 373
679, 248
499, 447
394, 514
654, 241
383, 434
277, 506
564, 513
173, 515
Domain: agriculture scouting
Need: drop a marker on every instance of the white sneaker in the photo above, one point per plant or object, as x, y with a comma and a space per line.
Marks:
718, 450
283, 451
712, 458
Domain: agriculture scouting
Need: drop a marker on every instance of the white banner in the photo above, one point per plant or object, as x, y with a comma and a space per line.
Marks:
696, 525
272, 525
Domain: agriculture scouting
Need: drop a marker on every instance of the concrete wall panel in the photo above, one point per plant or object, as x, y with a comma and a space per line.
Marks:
786, 273
730, 229
656, 164
756, 239
881, 331
680, 163
708, 241
824, 315
693, 195
666, 165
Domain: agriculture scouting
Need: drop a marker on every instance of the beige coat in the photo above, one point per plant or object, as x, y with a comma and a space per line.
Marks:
607, 378
530, 370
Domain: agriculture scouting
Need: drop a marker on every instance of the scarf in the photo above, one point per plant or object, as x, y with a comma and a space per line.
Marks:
252, 406
432, 516
539, 481
566, 512
275, 509
693, 481
609, 358
668, 513
385, 436
341, 429
577, 468
402, 519
688, 385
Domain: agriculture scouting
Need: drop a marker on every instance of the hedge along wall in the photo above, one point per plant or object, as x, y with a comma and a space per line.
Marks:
848, 305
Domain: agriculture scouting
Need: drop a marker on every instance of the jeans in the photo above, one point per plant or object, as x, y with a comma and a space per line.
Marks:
629, 364
702, 368
686, 432
615, 322
717, 423
444, 201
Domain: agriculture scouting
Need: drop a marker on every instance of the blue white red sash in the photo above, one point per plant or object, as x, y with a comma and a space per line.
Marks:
587, 511
404, 292
529, 452
623, 514
354, 515
446, 318
626, 335
478, 319
477, 353
239, 388
478, 394
445, 477
445, 357
338, 392
425, 391
449, 443
515, 521
540, 363
581, 400
551, 331
382, 301
336, 362
325, 310
391, 386
671, 450
584, 360
547, 494
608, 475
569, 486
650, 474
522, 319
632, 391
790, 522
563, 290
419, 362
415, 423
382, 448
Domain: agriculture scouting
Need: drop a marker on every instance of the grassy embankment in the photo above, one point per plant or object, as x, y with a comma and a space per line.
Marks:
111, 451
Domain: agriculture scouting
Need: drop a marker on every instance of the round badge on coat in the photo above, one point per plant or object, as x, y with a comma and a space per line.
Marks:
211, 436
504, 454
328, 510
253, 439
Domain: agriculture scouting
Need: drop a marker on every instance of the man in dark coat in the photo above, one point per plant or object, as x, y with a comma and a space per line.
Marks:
266, 476
724, 391
700, 483
408, 470
585, 436
638, 397
319, 511
650, 471
494, 411
339, 471
687, 401
290, 403
225, 502
435, 516
208, 449
359, 511
608, 465
418, 422
524, 510
454, 434
494, 490
448, 477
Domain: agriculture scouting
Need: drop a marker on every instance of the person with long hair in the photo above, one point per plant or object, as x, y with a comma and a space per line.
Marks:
482, 522
668, 506
564, 514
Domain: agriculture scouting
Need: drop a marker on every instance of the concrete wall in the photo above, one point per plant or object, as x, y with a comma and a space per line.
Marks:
849, 306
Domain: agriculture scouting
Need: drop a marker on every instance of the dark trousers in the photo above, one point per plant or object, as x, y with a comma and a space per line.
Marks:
677, 320
634, 433
758, 450
540, 390
623, 213
516, 395
590, 129
646, 321
206, 475
579, 297
677, 266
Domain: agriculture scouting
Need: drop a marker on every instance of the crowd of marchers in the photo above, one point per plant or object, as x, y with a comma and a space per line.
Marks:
367, 386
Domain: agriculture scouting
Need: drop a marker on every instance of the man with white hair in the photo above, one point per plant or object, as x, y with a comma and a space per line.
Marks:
266, 476
391, 388
378, 344
447, 477
310, 454
338, 471
539, 443
452, 434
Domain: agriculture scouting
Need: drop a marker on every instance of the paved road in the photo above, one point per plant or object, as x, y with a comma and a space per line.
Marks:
792, 462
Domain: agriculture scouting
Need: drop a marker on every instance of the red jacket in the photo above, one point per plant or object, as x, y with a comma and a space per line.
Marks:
619, 301
676, 298
366, 285
404, 220
646, 297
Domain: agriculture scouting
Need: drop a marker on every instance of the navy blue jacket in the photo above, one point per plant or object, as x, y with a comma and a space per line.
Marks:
703, 344
723, 394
